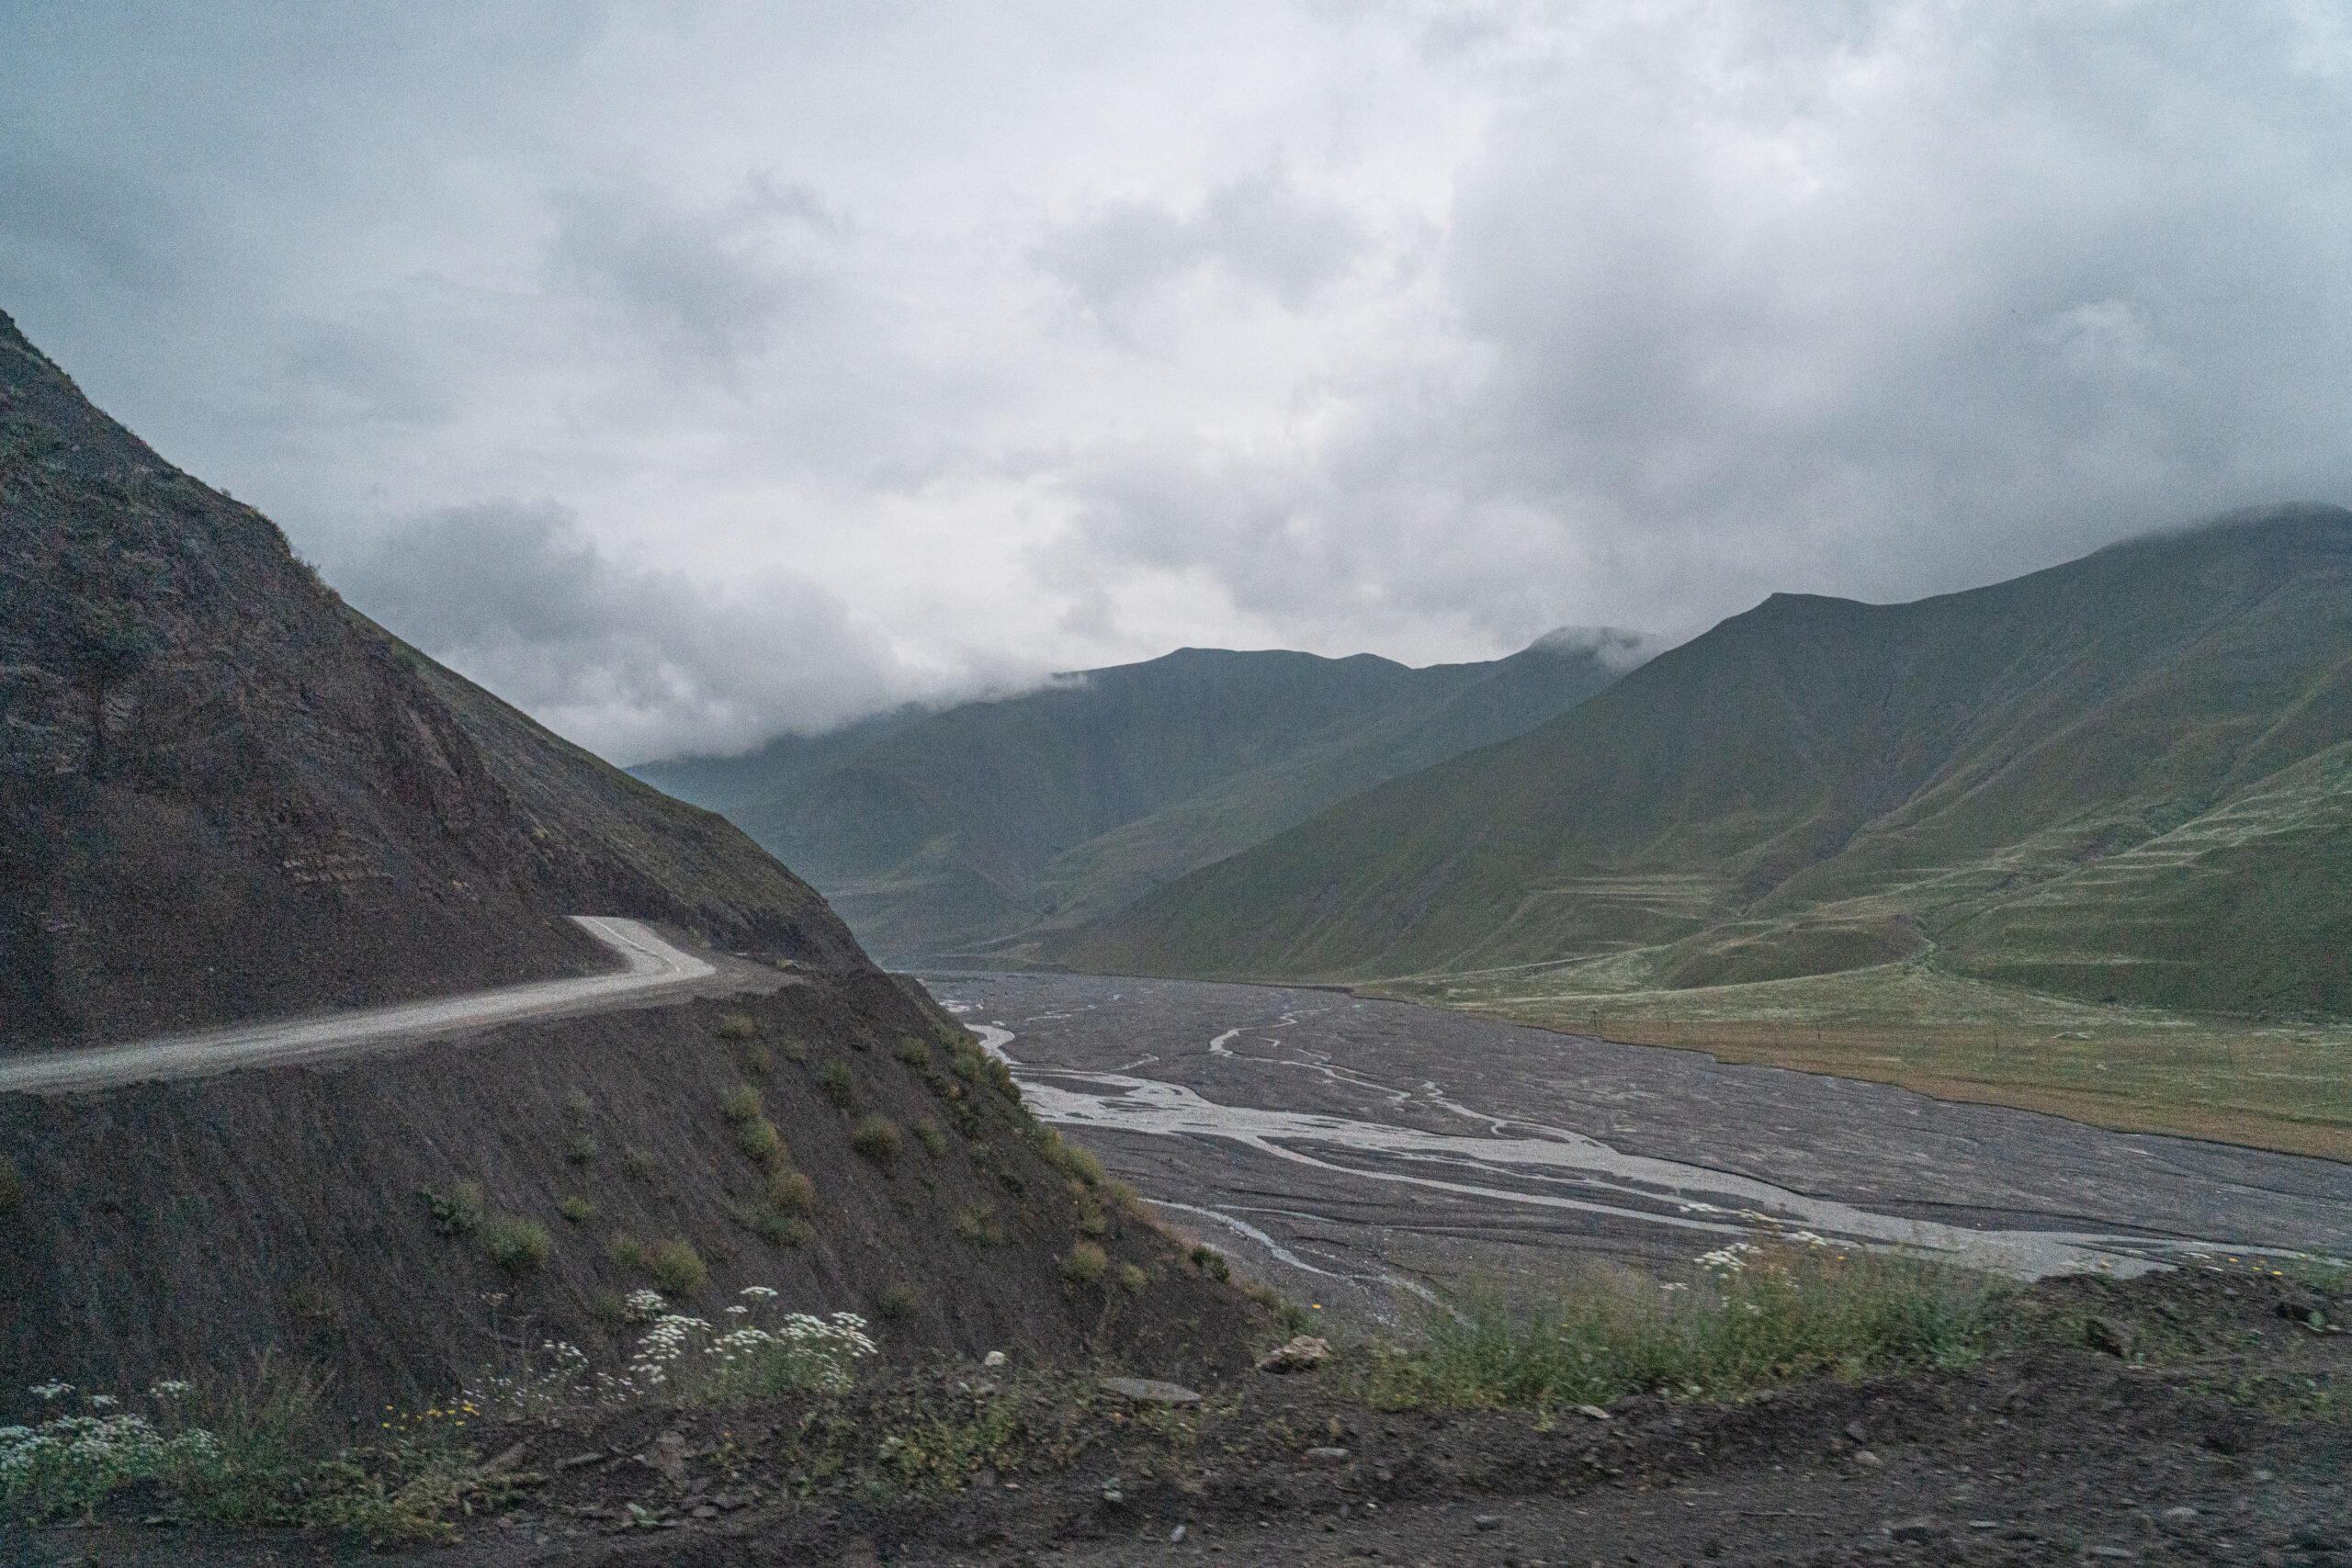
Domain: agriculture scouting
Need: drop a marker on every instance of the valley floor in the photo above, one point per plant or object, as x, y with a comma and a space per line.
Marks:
2277, 1084
1354, 1152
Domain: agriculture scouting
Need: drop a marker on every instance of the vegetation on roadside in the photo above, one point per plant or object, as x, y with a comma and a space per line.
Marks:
263, 1450
1752, 1316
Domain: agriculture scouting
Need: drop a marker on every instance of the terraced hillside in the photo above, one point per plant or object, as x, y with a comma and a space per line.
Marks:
2122, 779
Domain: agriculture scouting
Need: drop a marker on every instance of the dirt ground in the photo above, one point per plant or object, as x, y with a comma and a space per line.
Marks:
2221, 1432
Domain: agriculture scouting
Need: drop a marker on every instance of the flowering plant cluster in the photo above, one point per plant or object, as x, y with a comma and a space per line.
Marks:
71, 1461
688, 1358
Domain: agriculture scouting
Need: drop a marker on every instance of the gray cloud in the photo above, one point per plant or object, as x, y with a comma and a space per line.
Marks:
1259, 229
632, 661
1877, 301
1462, 319
707, 287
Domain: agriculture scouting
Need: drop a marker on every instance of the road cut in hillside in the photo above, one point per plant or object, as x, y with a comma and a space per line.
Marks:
653, 969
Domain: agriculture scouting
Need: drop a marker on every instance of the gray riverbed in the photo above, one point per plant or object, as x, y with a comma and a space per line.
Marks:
1349, 1151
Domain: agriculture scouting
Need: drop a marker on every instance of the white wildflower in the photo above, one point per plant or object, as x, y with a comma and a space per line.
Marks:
1728, 1259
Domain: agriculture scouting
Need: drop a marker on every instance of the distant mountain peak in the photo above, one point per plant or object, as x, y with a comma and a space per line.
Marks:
1617, 647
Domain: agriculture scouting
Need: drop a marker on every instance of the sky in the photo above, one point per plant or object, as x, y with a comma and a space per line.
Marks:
689, 373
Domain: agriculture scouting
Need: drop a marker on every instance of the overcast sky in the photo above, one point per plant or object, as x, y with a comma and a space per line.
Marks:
689, 372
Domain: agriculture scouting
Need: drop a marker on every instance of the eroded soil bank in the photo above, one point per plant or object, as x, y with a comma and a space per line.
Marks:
2220, 1436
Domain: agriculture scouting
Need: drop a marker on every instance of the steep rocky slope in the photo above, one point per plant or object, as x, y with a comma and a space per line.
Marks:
360, 1219
222, 794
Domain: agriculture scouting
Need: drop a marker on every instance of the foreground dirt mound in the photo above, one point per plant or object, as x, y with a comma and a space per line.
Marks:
2220, 1436
225, 795
410, 1223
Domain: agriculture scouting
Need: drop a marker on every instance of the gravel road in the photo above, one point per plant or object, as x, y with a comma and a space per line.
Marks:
1349, 1150
652, 969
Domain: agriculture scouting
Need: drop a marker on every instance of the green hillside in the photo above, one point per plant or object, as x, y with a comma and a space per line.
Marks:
2122, 779
985, 825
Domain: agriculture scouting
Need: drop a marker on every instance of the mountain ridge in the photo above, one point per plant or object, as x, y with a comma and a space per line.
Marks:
977, 829
1822, 774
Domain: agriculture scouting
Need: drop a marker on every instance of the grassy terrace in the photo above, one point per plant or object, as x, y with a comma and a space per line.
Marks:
2264, 1085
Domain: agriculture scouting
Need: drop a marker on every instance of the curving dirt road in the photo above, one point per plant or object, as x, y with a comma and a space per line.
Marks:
653, 969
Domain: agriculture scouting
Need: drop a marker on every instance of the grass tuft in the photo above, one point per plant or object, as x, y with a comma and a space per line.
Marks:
913, 1052
737, 1026
894, 1301
1085, 1265
835, 1079
776, 1227
1133, 1279
877, 1138
760, 1140
626, 1251
1210, 1261
456, 1212
677, 1269
517, 1246
638, 1164
1786, 1311
739, 1104
977, 1222
791, 1192
933, 1142
576, 1209
1075, 1161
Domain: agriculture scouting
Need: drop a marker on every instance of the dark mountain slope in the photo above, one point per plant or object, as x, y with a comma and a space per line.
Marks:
222, 794
987, 824
2121, 777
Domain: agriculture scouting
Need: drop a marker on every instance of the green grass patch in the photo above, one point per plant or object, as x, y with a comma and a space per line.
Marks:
576, 1209
877, 1138
517, 1246
833, 1079
1085, 1264
677, 1269
624, 1250
1788, 1311
977, 1222
456, 1212
760, 1140
739, 1104
791, 1192
737, 1026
